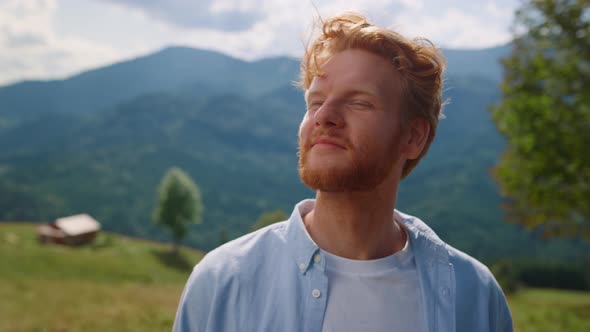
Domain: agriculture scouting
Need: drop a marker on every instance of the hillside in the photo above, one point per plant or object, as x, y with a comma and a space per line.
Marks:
116, 284
232, 125
171, 69
549, 310
125, 284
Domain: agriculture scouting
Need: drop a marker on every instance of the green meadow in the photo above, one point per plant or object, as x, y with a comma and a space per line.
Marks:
124, 284
550, 310
116, 284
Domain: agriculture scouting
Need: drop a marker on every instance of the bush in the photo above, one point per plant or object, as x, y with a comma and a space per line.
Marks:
512, 274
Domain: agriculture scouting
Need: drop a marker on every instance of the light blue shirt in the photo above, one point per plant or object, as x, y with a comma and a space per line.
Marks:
271, 280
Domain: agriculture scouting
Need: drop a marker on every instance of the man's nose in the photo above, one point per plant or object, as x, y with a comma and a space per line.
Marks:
328, 115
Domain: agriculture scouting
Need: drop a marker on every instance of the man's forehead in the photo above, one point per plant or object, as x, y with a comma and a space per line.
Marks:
355, 70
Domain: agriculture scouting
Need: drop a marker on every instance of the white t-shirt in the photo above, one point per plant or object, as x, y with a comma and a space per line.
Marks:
373, 295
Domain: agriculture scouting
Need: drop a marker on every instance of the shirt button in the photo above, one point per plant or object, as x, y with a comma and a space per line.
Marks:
444, 291
317, 258
316, 293
302, 266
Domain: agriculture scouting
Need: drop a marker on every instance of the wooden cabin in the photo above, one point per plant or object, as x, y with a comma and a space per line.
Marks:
73, 230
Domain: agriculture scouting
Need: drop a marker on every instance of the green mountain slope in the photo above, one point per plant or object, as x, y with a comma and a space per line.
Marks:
237, 139
175, 68
199, 72
110, 165
478, 62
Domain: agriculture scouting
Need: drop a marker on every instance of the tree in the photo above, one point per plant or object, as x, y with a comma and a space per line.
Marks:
545, 116
269, 218
179, 204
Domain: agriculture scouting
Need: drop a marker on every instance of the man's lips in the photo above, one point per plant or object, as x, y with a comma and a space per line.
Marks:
328, 142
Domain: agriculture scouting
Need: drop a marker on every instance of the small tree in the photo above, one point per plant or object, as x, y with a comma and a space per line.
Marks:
179, 204
545, 116
268, 218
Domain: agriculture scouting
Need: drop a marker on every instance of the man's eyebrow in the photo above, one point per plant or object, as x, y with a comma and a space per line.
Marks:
361, 92
309, 94
349, 93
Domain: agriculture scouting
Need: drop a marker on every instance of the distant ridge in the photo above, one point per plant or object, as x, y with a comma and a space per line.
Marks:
169, 69
177, 67
477, 62
100, 142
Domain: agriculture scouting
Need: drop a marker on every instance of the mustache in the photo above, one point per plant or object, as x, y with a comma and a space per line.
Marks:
321, 133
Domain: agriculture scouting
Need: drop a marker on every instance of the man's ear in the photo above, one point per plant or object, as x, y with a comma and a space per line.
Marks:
415, 138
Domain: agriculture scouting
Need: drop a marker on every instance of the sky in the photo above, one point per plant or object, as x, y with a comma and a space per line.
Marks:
53, 39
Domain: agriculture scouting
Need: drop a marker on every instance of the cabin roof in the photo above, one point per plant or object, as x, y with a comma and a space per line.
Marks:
77, 224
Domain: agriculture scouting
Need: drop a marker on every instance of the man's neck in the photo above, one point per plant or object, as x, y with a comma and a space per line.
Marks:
356, 225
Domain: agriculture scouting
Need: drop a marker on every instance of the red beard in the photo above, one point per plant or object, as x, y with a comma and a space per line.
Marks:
364, 171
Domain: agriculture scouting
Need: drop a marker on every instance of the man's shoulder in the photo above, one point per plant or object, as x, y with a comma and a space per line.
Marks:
229, 272
470, 270
242, 253
467, 268
475, 285
476, 291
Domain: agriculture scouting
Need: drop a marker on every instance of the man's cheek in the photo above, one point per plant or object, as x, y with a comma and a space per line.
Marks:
304, 133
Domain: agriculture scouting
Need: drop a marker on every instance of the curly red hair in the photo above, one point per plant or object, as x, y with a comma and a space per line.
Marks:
419, 63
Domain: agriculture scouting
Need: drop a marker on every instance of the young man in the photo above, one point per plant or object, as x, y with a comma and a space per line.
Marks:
347, 261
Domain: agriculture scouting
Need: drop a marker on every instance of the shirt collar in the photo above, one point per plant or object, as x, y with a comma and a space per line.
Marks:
298, 239
304, 248
417, 229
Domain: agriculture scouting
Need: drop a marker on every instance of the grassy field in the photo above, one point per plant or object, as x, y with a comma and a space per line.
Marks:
123, 284
116, 284
548, 310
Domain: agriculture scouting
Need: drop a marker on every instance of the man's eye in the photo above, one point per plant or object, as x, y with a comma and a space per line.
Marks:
315, 104
360, 104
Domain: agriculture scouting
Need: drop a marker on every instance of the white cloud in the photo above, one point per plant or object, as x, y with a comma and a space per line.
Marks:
454, 28
499, 11
224, 15
286, 26
56, 38
29, 48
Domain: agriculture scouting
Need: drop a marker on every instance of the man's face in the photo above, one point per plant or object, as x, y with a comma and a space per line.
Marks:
350, 136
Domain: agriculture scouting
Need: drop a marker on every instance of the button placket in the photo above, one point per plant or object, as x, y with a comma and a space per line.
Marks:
317, 293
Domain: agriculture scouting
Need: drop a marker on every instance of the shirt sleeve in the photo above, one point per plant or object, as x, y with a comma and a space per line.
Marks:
504, 314
194, 310
499, 308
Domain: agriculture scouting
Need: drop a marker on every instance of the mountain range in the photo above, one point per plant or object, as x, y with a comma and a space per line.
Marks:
99, 142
